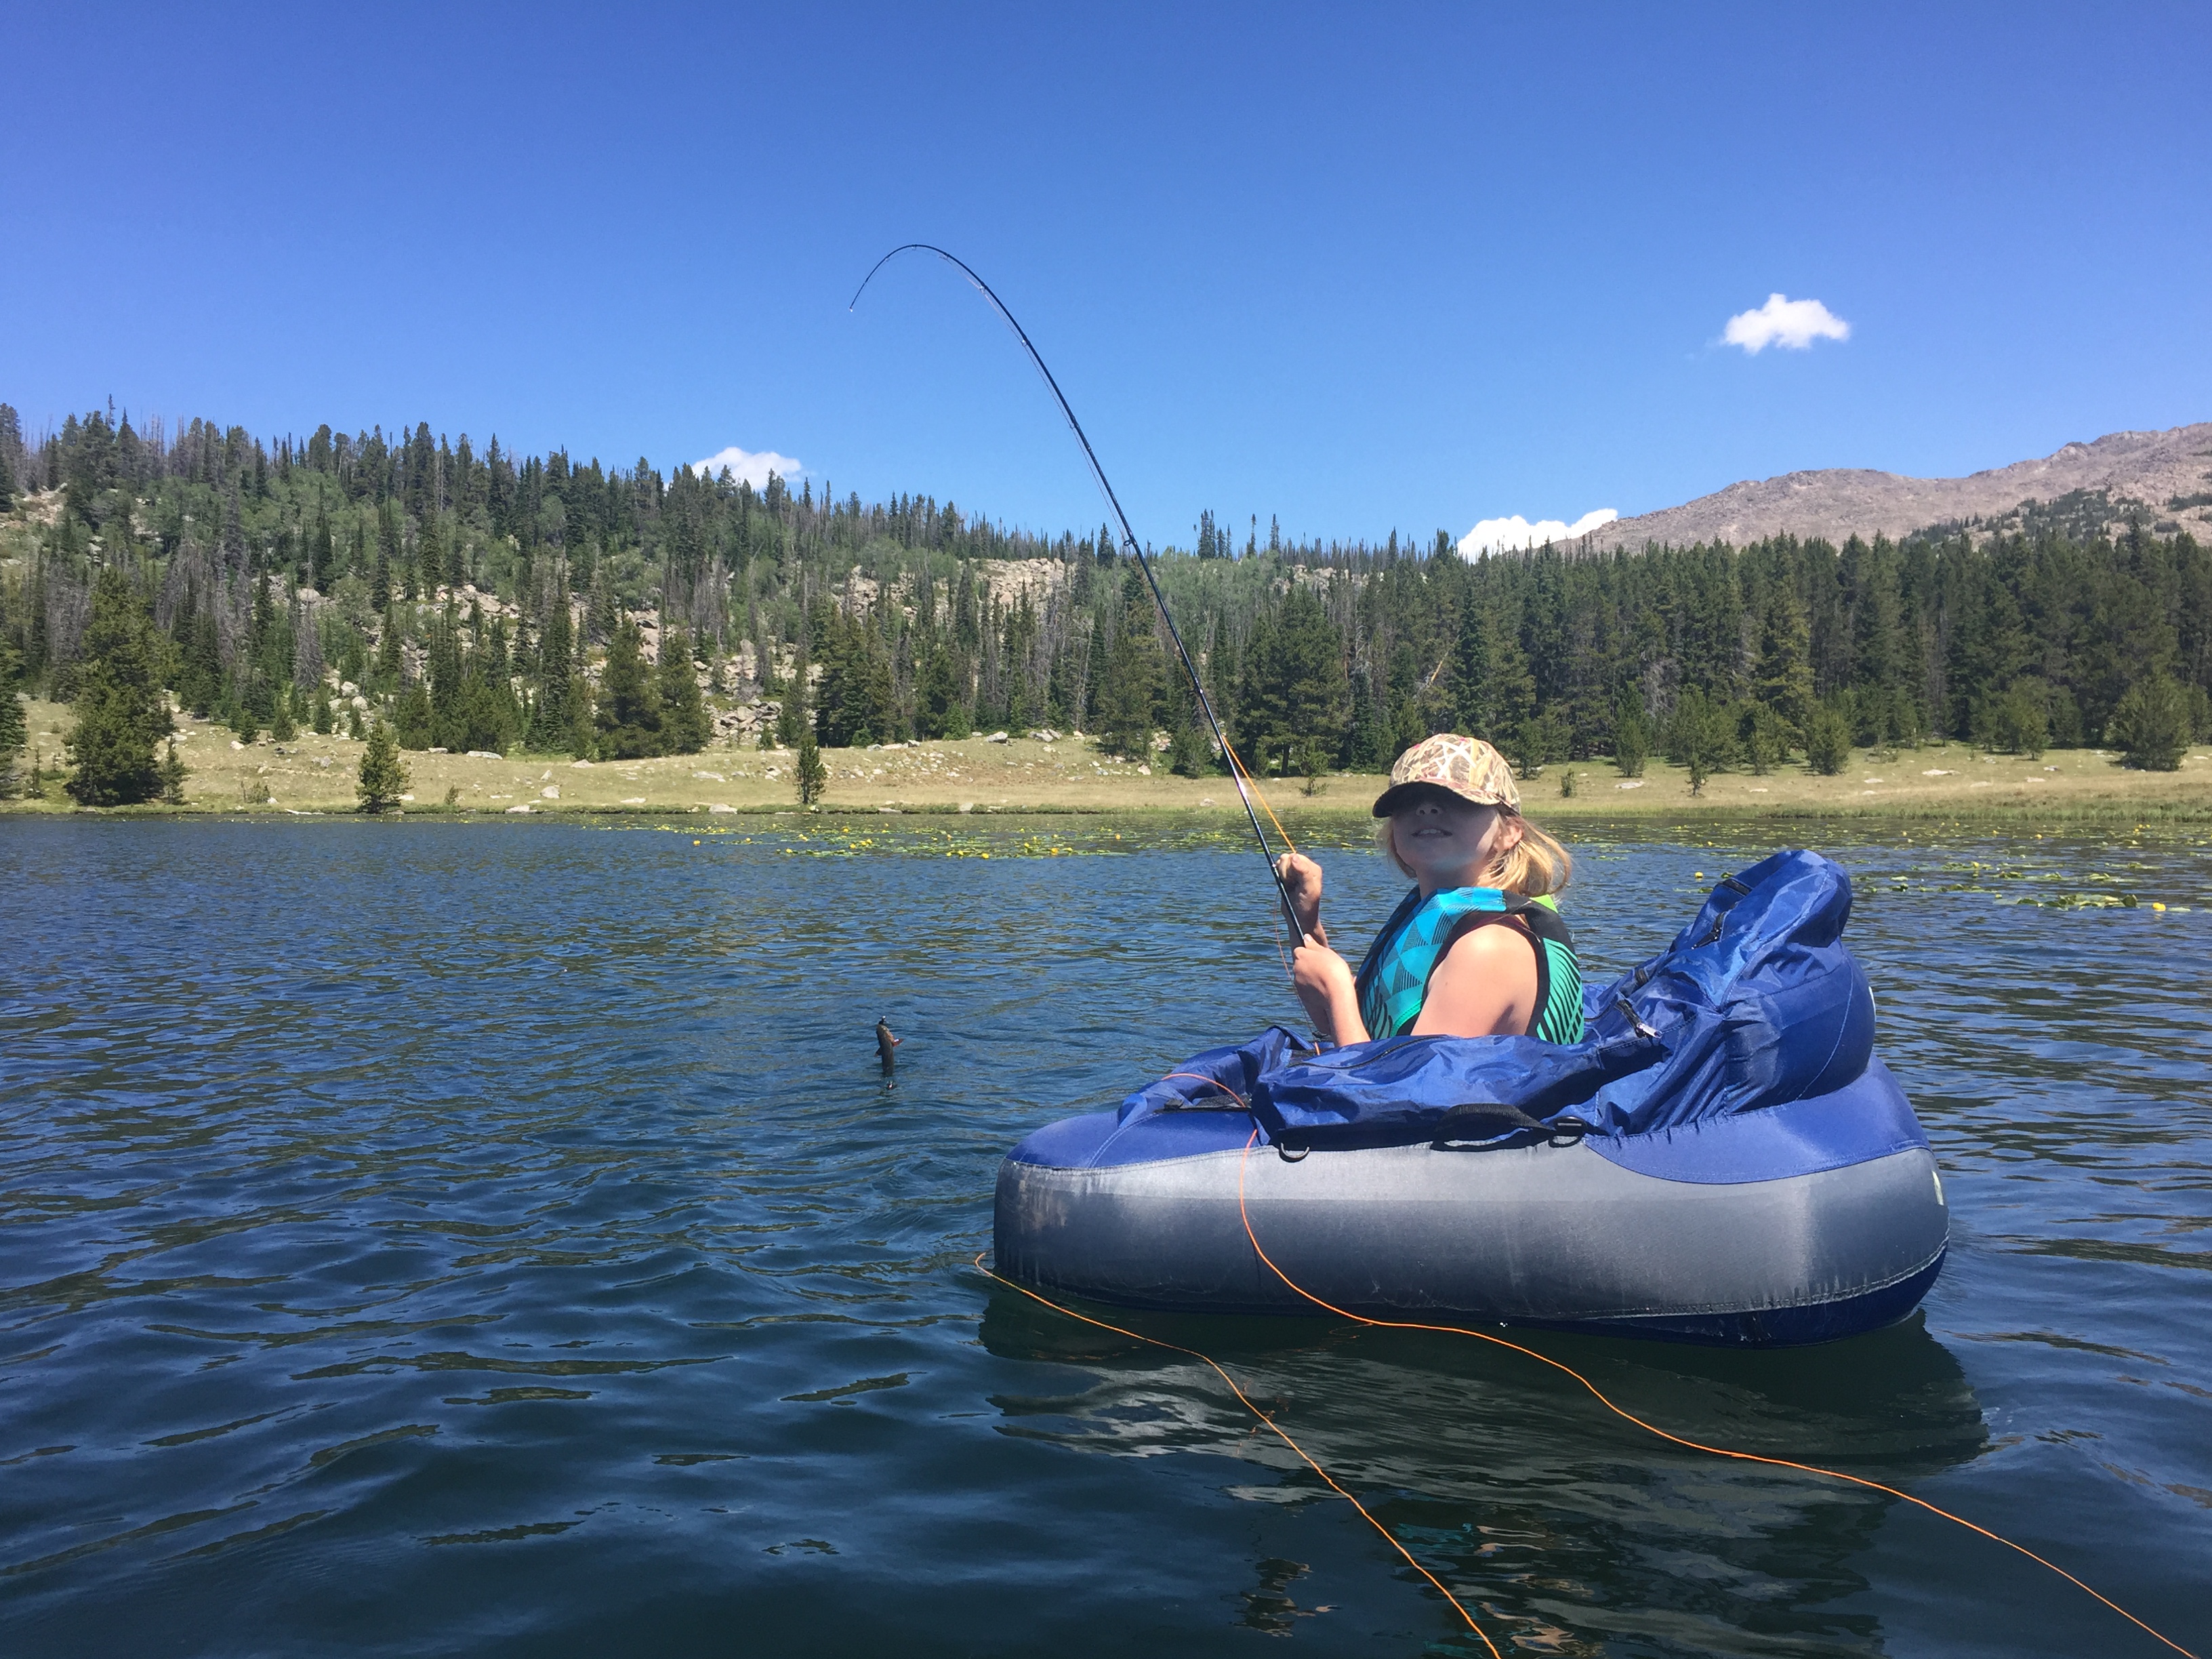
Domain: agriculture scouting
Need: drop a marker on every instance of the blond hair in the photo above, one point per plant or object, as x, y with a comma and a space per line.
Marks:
1533, 867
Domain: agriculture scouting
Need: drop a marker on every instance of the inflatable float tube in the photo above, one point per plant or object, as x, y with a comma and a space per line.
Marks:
1722, 1161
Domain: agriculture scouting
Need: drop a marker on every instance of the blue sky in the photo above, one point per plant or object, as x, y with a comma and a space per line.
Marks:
1363, 268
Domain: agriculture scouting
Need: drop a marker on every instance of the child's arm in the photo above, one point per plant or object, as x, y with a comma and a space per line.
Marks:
1485, 985
1324, 983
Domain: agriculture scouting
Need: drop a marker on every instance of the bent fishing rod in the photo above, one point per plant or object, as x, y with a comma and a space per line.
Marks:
1128, 540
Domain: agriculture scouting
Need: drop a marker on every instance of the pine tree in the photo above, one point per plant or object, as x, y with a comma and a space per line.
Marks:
1878, 640
605, 616
2150, 727
430, 554
443, 668
1632, 735
1497, 689
307, 664
794, 719
322, 559
234, 530
1828, 740
1785, 673
199, 667
388, 554
2016, 721
583, 737
413, 718
684, 712
388, 659
1761, 736
811, 776
15, 723
1190, 744
879, 698
552, 721
384, 776
1369, 747
171, 774
120, 711
630, 723
939, 707
1129, 695
1295, 692
262, 644
1701, 737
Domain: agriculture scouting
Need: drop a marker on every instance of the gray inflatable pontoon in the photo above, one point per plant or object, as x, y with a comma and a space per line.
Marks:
1723, 1159
1652, 1239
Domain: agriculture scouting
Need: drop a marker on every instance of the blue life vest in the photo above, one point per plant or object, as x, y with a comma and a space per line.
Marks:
1393, 980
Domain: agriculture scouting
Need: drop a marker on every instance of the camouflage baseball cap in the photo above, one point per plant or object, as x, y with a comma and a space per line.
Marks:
1468, 767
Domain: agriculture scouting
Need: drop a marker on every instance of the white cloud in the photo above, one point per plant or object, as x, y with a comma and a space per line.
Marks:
1504, 535
1792, 323
749, 466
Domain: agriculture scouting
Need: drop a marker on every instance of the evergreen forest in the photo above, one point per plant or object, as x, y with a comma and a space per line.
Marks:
485, 600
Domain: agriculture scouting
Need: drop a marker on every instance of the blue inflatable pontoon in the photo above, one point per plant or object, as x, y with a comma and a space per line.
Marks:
1722, 1159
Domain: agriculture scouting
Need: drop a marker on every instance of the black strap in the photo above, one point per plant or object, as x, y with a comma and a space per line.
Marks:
1730, 884
1491, 1121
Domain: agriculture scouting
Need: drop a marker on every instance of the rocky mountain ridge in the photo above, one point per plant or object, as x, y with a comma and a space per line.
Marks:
2165, 479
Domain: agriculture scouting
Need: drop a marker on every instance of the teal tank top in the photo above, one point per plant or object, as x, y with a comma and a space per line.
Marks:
1392, 982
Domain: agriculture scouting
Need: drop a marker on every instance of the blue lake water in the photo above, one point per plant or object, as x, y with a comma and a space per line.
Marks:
498, 1239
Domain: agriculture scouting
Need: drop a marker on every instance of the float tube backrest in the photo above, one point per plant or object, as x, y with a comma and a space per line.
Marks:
1757, 1002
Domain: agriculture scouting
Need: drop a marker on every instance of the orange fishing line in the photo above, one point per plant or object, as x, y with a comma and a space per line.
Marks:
1246, 1401
1599, 1395
1596, 1393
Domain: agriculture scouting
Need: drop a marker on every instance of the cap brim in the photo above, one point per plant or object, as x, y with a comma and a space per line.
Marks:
1400, 795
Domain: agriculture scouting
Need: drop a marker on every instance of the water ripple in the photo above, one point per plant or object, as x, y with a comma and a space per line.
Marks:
371, 1191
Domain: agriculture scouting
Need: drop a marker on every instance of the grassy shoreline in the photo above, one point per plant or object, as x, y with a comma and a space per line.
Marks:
1027, 778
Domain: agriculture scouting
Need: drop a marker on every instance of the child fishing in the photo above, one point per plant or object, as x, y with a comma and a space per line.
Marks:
1478, 947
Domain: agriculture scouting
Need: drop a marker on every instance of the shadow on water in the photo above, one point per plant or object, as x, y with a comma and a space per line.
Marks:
1512, 1484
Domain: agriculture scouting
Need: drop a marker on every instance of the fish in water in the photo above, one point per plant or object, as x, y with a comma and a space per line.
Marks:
886, 1042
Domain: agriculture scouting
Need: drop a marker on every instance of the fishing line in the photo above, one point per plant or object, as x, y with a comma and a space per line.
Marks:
1623, 1413
1247, 787
1250, 1405
1237, 773
1595, 1392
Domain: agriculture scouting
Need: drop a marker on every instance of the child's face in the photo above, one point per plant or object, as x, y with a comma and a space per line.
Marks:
1447, 841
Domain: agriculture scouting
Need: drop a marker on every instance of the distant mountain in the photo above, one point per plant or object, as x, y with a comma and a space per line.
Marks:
2165, 478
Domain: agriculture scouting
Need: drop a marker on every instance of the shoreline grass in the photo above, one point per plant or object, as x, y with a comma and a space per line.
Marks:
1025, 777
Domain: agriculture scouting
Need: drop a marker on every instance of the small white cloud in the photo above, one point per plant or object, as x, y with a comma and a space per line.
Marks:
1505, 535
1792, 323
749, 466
